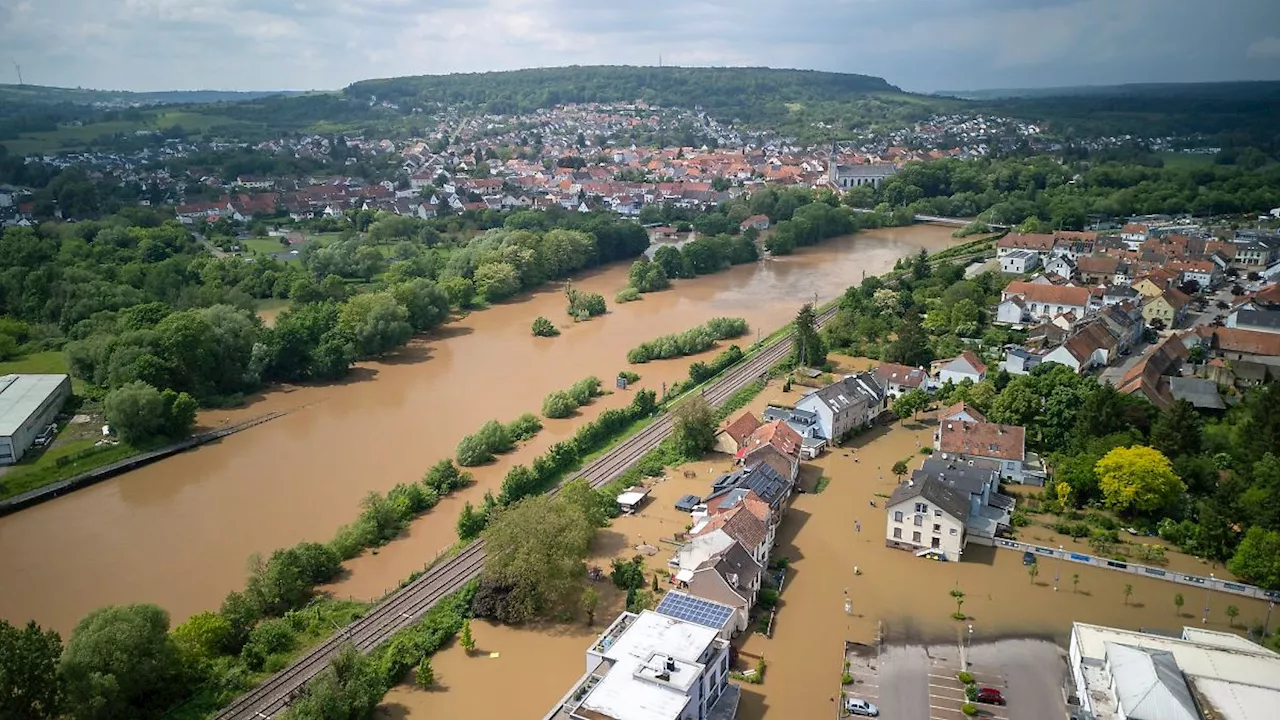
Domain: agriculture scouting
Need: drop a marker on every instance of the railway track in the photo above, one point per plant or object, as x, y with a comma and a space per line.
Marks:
408, 604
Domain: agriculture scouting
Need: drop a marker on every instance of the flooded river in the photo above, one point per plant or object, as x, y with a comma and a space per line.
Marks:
905, 597
178, 533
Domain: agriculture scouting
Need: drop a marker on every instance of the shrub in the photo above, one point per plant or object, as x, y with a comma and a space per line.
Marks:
626, 295
584, 305
691, 341
846, 679
971, 692
472, 451
543, 327
965, 677
558, 405
969, 709
629, 376
585, 389
524, 427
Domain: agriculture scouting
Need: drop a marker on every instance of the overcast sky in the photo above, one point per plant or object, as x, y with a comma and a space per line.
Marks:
919, 45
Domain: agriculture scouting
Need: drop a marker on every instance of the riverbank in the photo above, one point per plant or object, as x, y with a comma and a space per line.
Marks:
196, 516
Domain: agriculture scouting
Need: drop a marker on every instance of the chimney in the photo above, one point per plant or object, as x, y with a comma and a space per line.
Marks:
671, 664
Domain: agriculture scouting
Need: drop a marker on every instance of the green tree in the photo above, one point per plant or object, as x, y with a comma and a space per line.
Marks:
375, 322
497, 281
807, 346
1178, 602
350, 688
899, 469
588, 602
471, 522
30, 686
460, 291
911, 346
909, 403
203, 636
1032, 571
466, 639
426, 304
597, 507
425, 675
121, 662
1075, 582
543, 327
1257, 558
558, 405
537, 548
694, 430
1137, 479
1232, 613
1177, 431
1128, 591
136, 412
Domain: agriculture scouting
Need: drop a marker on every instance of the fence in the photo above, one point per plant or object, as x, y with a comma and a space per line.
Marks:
1210, 583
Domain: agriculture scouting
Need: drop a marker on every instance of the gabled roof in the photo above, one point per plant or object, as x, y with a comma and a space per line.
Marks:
959, 408
966, 362
983, 439
1028, 241
854, 389
1202, 394
741, 428
1055, 294
1149, 685
761, 478
1097, 264
1258, 318
1249, 342
742, 497
969, 475
950, 500
740, 524
904, 375
777, 434
1089, 339
1175, 298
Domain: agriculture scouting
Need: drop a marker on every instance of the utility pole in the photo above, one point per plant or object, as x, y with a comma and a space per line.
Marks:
18, 67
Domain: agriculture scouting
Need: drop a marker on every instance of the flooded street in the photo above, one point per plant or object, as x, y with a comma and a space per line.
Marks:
178, 533
910, 596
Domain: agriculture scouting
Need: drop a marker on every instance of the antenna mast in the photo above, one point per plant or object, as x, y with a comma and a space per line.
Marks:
18, 67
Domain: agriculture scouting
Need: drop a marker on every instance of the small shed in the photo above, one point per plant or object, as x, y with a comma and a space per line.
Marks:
629, 501
687, 503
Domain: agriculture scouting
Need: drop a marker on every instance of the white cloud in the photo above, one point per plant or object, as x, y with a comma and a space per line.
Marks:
1268, 47
917, 44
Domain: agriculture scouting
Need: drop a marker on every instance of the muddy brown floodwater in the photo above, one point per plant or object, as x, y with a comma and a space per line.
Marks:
908, 598
178, 533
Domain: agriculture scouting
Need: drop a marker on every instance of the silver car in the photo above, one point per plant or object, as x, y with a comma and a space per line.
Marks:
858, 706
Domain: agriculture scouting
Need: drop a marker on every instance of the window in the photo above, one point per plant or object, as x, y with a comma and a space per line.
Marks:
919, 521
915, 537
897, 516
897, 533
937, 513
954, 532
937, 528
921, 508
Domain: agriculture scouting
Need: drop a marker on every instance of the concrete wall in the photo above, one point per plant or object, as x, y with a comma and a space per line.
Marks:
37, 421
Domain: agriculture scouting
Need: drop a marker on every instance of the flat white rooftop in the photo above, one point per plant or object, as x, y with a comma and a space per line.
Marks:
640, 685
22, 395
1238, 679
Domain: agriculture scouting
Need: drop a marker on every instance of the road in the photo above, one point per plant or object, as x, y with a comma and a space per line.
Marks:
407, 605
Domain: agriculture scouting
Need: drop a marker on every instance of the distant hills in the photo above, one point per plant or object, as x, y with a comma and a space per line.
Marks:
1221, 90
80, 96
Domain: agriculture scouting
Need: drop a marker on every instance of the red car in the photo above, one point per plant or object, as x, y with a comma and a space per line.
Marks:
990, 696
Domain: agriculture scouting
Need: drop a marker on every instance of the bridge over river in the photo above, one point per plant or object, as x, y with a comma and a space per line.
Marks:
957, 222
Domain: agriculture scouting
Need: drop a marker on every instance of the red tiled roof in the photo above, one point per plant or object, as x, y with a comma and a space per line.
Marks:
1020, 241
1054, 294
742, 428
779, 435
963, 407
900, 375
983, 439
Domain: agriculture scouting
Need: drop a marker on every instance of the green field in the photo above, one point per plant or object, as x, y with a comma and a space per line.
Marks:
51, 362
1185, 160
74, 138
38, 469
264, 245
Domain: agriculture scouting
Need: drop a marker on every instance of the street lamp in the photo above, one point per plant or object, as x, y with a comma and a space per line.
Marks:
1057, 568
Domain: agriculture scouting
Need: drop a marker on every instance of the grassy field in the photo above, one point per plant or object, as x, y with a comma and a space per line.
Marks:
51, 362
1185, 160
264, 245
74, 138
38, 469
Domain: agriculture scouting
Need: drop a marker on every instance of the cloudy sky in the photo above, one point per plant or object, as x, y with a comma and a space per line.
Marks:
920, 45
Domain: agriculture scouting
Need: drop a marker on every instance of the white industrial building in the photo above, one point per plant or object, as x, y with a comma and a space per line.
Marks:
1130, 675
28, 404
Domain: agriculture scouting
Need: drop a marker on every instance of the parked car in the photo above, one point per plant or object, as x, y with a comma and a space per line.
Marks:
990, 696
1028, 558
858, 706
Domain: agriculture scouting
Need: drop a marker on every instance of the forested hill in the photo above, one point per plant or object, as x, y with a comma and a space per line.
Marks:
41, 94
731, 92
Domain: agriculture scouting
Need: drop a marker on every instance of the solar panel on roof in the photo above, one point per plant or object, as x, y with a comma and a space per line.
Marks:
695, 610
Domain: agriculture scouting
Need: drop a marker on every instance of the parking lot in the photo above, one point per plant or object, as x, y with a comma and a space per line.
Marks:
913, 682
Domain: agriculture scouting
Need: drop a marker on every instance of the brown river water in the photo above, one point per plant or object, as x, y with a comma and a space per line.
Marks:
906, 597
178, 533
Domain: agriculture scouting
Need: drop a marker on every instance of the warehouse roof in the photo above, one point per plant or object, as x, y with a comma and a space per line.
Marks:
22, 395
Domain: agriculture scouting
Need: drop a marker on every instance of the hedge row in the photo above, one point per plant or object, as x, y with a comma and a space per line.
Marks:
694, 340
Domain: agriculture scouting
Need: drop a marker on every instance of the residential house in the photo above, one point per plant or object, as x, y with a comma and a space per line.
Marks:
254, 182
731, 578
897, 379
1118, 293
1004, 444
1041, 245
699, 611
1012, 312
759, 222
1062, 266
961, 411
1090, 346
1097, 269
965, 366
777, 445
1267, 321
1169, 308
1202, 394
1204, 273
1125, 322
743, 497
1236, 344
1254, 252
845, 405
741, 524
1019, 360
1148, 376
806, 425
928, 515
730, 438
1044, 302
1154, 282
1073, 243
1019, 262
763, 479
989, 512
1134, 234
652, 666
